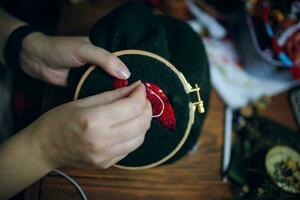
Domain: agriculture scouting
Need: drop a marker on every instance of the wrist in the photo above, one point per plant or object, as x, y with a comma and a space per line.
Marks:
33, 46
14, 45
8, 25
37, 140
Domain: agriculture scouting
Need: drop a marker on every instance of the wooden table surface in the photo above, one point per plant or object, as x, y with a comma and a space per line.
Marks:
196, 176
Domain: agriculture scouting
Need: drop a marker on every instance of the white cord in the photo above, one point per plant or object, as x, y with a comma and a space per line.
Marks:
163, 105
77, 186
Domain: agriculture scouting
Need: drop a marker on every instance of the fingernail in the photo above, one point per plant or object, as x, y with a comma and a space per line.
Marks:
136, 83
123, 73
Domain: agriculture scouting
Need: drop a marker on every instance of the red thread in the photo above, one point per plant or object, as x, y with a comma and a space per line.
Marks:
265, 13
295, 70
276, 47
292, 47
167, 118
118, 83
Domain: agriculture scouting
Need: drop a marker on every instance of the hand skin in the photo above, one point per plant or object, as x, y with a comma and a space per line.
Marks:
97, 131
49, 58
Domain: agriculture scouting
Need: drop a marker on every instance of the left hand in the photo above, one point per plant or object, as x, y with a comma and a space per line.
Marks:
49, 58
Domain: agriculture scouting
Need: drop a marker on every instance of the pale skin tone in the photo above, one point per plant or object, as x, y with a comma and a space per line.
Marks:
97, 131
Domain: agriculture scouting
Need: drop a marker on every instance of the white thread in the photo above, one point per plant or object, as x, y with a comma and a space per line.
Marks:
163, 105
77, 186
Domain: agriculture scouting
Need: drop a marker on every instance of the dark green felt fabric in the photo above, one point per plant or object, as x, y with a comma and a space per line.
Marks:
134, 26
188, 54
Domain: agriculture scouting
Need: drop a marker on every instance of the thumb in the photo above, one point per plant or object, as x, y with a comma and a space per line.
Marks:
104, 59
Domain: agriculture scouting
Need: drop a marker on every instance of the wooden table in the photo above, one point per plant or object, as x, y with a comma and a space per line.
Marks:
196, 176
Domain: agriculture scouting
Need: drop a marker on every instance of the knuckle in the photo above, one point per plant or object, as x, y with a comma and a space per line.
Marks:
137, 142
85, 123
93, 160
144, 123
147, 116
93, 146
106, 165
138, 107
98, 146
140, 141
147, 120
110, 60
83, 50
106, 97
148, 110
88, 123
102, 164
148, 125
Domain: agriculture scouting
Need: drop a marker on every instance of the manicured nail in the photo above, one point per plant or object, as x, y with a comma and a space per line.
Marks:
123, 73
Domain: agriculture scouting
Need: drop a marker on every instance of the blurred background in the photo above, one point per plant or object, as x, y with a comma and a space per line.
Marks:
253, 47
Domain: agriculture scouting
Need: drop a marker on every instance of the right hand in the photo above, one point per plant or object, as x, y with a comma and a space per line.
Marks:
96, 131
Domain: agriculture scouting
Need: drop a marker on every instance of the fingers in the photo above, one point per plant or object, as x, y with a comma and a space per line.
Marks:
132, 128
112, 130
127, 108
108, 163
116, 153
128, 136
104, 59
117, 159
127, 147
107, 97
55, 76
120, 110
128, 130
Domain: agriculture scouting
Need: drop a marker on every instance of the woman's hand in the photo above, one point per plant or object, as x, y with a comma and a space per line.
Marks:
97, 131
49, 58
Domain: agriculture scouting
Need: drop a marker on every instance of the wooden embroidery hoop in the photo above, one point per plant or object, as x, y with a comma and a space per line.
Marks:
187, 87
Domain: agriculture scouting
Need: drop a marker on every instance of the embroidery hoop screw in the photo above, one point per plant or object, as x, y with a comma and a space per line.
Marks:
199, 104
